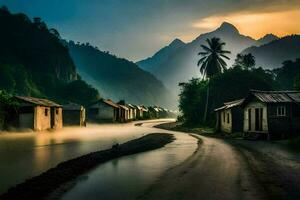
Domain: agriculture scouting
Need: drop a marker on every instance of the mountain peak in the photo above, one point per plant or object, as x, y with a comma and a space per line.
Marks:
269, 36
176, 42
228, 28
266, 39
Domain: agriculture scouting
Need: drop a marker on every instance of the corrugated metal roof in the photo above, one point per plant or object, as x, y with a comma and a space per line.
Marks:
295, 97
145, 109
111, 103
277, 96
123, 107
131, 106
37, 101
231, 104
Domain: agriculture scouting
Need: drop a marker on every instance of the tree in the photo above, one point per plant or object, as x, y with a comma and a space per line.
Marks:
246, 61
286, 76
192, 99
297, 82
79, 92
212, 63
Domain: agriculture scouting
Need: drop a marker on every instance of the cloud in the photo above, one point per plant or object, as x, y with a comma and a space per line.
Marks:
256, 24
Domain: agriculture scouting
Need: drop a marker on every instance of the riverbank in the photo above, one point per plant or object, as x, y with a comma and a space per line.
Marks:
177, 126
40, 186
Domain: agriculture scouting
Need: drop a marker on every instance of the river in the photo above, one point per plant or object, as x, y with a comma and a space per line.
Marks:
23, 155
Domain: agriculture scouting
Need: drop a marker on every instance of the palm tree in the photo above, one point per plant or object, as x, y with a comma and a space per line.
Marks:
246, 61
212, 63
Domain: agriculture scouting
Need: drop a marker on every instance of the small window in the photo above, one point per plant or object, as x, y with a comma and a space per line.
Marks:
56, 111
281, 111
46, 111
228, 118
224, 117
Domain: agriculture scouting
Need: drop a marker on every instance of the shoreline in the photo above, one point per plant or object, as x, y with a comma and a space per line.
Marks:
39, 187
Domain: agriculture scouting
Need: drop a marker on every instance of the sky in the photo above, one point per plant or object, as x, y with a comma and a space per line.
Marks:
136, 29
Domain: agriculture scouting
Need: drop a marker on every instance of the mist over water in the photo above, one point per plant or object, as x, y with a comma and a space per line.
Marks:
27, 154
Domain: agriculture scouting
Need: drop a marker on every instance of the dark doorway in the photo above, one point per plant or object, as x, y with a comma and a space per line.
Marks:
258, 119
249, 119
52, 114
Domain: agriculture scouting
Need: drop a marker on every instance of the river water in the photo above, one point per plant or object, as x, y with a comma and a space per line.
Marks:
27, 154
129, 177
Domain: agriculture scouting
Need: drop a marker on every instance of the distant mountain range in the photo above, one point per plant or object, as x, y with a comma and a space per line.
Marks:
179, 62
117, 78
271, 55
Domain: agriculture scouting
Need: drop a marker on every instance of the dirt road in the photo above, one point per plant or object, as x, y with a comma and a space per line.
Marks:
215, 171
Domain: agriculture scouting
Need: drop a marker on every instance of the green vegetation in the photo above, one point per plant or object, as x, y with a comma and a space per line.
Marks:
33, 60
232, 84
288, 75
246, 61
5, 99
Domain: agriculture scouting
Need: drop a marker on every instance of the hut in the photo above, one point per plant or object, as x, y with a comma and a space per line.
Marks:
36, 114
124, 113
272, 113
229, 117
153, 112
103, 111
139, 112
74, 115
145, 112
132, 111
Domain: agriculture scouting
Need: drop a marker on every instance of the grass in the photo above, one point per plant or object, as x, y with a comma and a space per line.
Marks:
41, 186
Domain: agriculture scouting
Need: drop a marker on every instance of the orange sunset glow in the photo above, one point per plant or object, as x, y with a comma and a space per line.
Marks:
257, 25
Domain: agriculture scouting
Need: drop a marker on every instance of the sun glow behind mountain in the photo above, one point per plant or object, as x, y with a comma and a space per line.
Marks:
256, 25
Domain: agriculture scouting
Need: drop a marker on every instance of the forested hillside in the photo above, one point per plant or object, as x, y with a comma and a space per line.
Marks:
118, 78
33, 61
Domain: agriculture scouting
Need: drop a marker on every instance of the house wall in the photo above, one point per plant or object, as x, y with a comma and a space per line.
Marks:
26, 120
280, 124
253, 105
296, 119
71, 117
105, 112
123, 115
57, 117
82, 117
139, 114
41, 120
225, 126
74, 117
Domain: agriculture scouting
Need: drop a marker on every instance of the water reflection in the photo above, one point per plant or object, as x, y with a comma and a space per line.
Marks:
23, 155
129, 177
